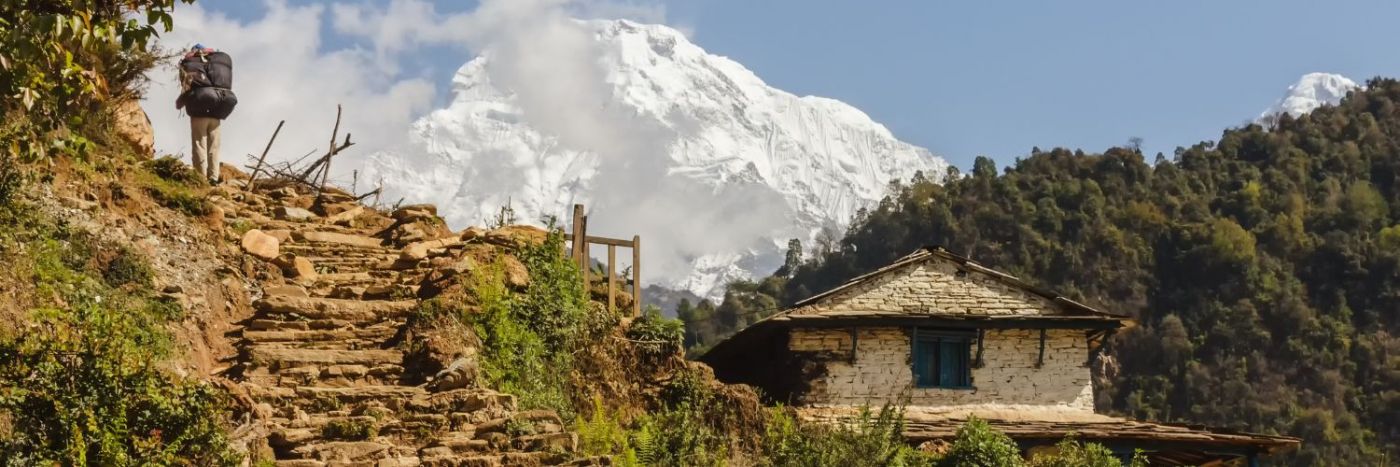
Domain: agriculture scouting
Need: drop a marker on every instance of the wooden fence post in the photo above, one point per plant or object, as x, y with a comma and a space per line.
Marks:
578, 233
612, 278
584, 263
636, 275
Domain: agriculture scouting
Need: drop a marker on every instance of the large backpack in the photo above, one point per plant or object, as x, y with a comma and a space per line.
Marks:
211, 85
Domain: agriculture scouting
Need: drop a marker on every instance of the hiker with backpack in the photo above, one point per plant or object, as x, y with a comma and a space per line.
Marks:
206, 94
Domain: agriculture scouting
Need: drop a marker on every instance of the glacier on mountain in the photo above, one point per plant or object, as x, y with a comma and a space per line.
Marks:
1311, 91
714, 169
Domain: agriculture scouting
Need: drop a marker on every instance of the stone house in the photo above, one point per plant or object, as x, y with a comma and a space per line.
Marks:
949, 339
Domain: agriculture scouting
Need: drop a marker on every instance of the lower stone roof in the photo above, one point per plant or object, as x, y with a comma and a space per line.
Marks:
1165, 443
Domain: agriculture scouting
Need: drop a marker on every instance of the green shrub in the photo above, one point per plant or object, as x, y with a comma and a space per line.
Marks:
679, 436
350, 430
1071, 453
127, 268
873, 438
529, 338
84, 382
655, 335
602, 433
171, 169
979, 445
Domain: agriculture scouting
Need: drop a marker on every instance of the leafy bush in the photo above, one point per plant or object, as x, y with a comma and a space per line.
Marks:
528, 338
655, 335
871, 439
979, 445
63, 58
603, 433
127, 268
83, 380
350, 430
172, 169
1071, 453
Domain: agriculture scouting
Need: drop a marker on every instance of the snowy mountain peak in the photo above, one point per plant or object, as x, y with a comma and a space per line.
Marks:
1311, 91
715, 169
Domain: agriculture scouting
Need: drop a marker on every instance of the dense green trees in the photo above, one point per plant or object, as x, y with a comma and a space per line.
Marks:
1264, 269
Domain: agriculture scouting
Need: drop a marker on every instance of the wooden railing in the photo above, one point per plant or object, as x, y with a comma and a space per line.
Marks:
579, 252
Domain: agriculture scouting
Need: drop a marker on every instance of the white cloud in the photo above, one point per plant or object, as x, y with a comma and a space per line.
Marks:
283, 71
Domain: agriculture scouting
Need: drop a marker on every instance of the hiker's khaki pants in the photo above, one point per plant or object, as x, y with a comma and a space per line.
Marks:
204, 132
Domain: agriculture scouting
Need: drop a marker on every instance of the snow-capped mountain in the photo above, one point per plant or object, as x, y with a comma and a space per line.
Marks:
1311, 91
715, 169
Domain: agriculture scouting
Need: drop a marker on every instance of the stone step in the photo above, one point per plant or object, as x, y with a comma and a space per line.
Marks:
339, 237
309, 248
293, 323
377, 333
349, 451
325, 375
367, 261
381, 393
286, 358
483, 404
328, 308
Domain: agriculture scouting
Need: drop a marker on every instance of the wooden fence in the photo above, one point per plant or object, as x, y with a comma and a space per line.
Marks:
579, 252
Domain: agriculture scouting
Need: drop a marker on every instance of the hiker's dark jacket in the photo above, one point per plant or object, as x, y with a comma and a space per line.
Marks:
207, 79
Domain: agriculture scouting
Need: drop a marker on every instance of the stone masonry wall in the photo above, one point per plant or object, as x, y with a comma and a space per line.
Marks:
882, 371
934, 287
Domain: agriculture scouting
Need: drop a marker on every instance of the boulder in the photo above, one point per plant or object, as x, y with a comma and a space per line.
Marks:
516, 274
134, 127
414, 211
346, 217
472, 233
420, 250
283, 193
259, 244
296, 266
282, 235
516, 236
286, 289
292, 213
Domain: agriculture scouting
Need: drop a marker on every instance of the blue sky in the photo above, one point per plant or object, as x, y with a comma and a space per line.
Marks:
996, 78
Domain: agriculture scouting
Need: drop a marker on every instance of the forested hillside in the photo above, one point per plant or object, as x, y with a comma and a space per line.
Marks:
1264, 269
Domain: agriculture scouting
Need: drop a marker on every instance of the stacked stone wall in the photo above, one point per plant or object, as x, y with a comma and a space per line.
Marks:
882, 372
936, 287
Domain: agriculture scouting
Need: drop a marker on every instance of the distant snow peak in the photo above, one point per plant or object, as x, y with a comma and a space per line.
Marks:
1311, 91
715, 169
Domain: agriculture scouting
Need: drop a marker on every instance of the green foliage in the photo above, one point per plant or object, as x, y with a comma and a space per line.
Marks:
1264, 268
655, 335
1072, 453
59, 59
874, 438
603, 433
979, 445
128, 268
174, 185
350, 430
677, 434
82, 384
170, 168
529, 337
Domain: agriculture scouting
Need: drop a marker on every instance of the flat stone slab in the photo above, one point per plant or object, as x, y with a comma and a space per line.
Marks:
286, 356
330, 308
360, 392
341, 238
318, 335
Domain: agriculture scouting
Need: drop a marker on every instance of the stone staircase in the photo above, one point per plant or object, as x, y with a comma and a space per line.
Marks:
322, 362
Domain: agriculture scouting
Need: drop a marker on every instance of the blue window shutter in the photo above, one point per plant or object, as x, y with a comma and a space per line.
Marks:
949, 374
923, 363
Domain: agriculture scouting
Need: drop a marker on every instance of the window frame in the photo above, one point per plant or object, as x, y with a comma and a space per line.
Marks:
921, 339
